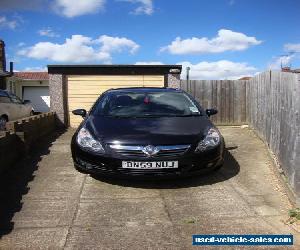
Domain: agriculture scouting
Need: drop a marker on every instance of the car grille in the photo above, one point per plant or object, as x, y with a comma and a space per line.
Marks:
141, 152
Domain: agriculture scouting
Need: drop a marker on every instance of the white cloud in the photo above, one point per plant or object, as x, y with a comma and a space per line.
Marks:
81, 49
9, 24
21, 44
217, 70
226, 40
145, 6
292, 47
35, 69
149, 63
117, 44
48, 32
71, 8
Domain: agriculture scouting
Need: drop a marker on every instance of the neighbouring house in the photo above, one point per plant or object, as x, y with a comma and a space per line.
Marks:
246, 78
33, 86
288, 69
3, 72
79, 86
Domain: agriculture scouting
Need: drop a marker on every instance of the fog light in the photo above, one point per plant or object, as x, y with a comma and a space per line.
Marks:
85, 164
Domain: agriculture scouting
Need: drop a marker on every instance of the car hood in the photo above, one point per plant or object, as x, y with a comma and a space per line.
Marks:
145, 131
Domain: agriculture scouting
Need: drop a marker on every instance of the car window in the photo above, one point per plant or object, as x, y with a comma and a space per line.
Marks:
15, 99
135, 104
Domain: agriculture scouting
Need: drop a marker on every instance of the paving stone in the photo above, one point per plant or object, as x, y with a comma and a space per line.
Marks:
35, 238
111, 212
129, 237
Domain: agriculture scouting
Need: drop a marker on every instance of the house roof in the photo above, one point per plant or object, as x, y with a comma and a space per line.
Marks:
245, 78
32, 75
121, 69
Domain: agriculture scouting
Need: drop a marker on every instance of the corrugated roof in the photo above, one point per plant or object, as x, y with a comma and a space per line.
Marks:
32, 75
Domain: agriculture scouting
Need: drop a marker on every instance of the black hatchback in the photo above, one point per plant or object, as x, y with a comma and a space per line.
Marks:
147, 132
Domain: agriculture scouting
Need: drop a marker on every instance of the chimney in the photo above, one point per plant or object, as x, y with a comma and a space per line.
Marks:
11, 68
2, 56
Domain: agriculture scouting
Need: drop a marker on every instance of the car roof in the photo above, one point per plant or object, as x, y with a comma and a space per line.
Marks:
144, 89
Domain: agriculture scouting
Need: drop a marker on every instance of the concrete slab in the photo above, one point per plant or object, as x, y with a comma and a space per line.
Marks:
48, 204
112, 212
128, 237
35, 238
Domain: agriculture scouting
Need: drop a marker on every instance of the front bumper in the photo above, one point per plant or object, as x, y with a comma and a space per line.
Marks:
111, 165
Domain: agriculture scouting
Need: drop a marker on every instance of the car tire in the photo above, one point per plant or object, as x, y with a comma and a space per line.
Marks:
80, 170
3, 121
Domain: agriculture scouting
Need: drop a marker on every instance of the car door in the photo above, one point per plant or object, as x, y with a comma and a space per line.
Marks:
17, 110
5, 104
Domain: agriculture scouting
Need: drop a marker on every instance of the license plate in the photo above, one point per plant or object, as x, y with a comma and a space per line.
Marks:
149, 165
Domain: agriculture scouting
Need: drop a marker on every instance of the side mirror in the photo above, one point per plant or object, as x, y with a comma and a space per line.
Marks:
81, 112
26, 101
210, 112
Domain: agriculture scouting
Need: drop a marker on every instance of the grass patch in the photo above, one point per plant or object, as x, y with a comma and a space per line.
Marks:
189, 221
294, 215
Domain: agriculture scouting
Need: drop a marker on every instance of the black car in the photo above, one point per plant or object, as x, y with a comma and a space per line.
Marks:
146, 132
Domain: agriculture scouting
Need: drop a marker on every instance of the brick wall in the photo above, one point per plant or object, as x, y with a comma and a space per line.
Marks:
174, 81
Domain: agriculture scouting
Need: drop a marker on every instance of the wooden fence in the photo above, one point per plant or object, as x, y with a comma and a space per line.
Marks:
273, 110
269, 102
227, 96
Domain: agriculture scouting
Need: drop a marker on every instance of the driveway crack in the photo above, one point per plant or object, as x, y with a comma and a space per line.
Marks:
76, 211
165, 207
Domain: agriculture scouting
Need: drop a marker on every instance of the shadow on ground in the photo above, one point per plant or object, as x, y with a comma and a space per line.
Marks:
14, 182
230, 169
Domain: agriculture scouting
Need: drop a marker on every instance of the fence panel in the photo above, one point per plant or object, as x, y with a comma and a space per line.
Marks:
228, 96
273, 100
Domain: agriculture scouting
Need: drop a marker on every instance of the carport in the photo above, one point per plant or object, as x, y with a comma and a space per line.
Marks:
78, 86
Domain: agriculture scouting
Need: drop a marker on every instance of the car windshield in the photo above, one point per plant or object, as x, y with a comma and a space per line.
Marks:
150, 104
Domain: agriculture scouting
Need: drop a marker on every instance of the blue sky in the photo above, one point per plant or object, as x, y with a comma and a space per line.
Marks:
218, 39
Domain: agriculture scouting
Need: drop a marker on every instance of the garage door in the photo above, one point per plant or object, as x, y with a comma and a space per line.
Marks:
39, 97
83, 91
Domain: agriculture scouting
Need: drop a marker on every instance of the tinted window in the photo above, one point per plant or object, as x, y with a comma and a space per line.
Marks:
134, 104
15, 99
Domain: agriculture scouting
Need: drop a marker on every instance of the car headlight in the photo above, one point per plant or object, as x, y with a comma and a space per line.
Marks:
86, 140
211, 140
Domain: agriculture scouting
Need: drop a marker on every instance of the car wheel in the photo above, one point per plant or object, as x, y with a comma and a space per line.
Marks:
3, 122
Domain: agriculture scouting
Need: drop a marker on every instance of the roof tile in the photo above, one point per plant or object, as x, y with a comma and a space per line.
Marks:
32, 75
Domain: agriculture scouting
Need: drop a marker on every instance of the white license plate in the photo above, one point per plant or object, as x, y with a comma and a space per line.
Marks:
149, 165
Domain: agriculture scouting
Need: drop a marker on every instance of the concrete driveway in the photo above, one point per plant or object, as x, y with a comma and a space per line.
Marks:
45, 203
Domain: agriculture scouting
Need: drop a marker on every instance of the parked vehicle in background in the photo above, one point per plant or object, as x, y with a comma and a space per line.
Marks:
12, 108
